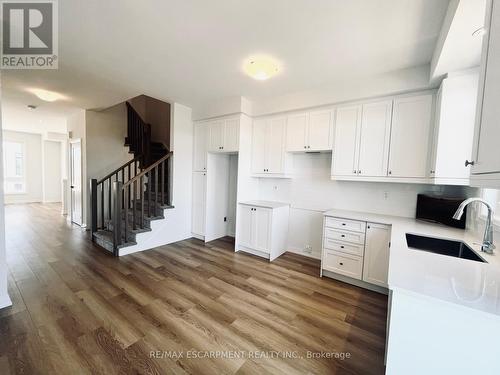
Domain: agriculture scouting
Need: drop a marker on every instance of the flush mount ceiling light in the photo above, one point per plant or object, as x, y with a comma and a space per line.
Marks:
48, 96
261, 67
479, 32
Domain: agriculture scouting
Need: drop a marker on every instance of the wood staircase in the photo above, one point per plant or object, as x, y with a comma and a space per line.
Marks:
127, 200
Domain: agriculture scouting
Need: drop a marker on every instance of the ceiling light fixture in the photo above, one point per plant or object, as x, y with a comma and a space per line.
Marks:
479, 32
261, 67
48, 96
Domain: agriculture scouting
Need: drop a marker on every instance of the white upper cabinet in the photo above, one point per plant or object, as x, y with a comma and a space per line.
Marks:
346, 146
486, 157
200, 147
375, 135
296, 132
410, 136
310, 131
268, 146
454, 129
320, 131
223, 135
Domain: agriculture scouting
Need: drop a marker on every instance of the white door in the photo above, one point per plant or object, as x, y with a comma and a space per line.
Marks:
259, 146
216, 136
345, 150
262, 224
199, 203
200, 147
320, 131
76, 181
231, 135
375, 136
245, 223
296, 132
275, 145
376, 259
487, 134
411, 136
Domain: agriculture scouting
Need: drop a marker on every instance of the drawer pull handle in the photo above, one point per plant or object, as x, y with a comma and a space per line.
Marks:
343, 223
341, 247
342, 235
341, 263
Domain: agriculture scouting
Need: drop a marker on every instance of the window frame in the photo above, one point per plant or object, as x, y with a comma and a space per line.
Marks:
21, 178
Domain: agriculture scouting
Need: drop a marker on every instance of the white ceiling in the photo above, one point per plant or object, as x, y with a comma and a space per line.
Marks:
191, 51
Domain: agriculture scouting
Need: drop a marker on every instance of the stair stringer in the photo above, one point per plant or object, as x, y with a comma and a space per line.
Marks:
162, 232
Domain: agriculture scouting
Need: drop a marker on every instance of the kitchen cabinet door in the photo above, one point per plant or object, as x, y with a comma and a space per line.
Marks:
375, 136
259, 146
346, 145
411, 136
200, 147
275, 137
245, 224
199, 203
216, 136
319, 131
262, 229
487, 128
231, 135
376, 259
296, 132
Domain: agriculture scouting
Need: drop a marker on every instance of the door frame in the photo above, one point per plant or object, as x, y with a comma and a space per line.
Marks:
71, 143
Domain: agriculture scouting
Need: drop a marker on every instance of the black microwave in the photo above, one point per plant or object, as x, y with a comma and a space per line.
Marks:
439, 209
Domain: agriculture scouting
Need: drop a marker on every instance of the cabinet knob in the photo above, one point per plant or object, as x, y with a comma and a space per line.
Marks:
305, 146
467, 163
343, 224
342, 235
355, 172
359, 172
341, 246
390, 172
341, 263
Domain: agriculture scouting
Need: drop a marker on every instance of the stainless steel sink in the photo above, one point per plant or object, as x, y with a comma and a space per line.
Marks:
450, 248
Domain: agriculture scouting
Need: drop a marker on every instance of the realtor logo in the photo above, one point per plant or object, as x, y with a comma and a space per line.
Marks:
29, 34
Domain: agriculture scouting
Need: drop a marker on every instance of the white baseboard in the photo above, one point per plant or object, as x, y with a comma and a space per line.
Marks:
300, 252
5, 301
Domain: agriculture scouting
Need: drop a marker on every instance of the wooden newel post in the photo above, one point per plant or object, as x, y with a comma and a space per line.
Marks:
116, 209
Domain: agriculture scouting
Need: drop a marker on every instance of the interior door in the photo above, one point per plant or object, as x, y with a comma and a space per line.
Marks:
374, 141
262, 225
216, 136
275, 145
345, 150
259, 146
245, 226
320, 131
410, 136
76, 182
296, 132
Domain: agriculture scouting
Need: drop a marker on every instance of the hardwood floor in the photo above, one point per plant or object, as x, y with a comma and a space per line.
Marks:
79, 311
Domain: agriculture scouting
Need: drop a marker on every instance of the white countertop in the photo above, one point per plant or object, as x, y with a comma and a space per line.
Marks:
464, 282
265, 204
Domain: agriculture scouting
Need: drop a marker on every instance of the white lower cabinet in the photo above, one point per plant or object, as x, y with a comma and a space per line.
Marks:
376, 260
356, 249
262, 228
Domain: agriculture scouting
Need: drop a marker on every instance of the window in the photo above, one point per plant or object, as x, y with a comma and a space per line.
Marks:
13, 166
492, 196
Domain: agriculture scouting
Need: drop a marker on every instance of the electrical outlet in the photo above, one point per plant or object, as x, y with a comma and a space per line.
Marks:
275, 187
386, 195
308, 249
225, 218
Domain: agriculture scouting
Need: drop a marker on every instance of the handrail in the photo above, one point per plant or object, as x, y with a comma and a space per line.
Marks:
148, 169
118, 170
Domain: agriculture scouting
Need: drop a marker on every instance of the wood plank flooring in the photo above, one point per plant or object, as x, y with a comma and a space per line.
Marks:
185, 308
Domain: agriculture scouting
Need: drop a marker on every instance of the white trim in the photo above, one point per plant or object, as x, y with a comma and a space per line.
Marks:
5, 301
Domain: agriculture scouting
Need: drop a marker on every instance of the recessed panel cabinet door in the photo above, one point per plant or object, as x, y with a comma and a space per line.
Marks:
296, 132
320, 131
231, 135
375, 136
275, 138
245, 225
199, 203
345, 150
259, 146
376, 259
411, 136
200, 147
487, 133
216, 136
262, 234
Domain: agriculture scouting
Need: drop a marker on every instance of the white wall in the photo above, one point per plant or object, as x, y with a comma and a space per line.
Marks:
177, 223
52, 171
311, 191
33, 158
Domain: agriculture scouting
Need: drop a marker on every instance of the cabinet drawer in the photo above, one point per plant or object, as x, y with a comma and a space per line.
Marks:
347, 265
344, 247
344, 224
340, 235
